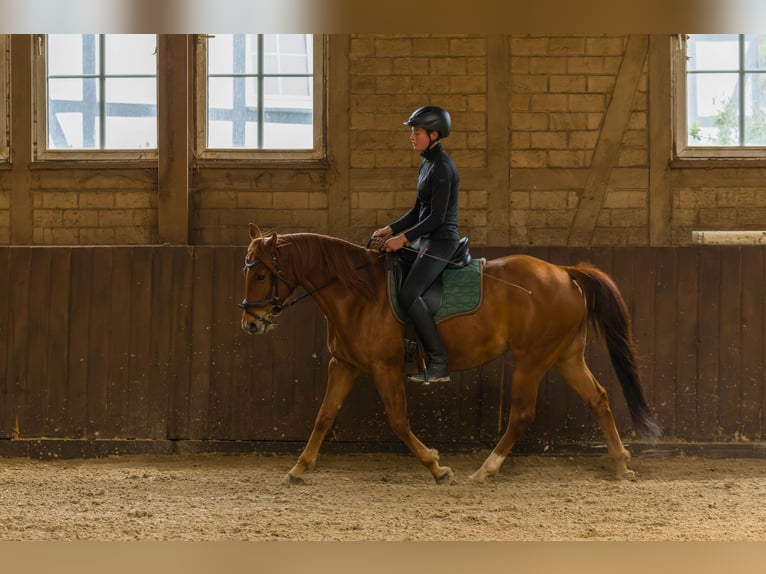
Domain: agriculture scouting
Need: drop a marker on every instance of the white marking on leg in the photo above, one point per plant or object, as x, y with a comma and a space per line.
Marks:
493, 463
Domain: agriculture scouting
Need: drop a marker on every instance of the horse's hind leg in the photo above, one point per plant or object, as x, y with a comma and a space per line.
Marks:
572, 368
340, 381
524, 385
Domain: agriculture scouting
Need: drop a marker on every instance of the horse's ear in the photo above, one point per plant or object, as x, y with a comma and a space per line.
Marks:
255, 232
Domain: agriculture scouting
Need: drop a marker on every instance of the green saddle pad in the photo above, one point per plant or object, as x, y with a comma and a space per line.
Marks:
461, 293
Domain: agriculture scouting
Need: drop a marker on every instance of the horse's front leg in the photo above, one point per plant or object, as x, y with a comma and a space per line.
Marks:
340, 381
390, 387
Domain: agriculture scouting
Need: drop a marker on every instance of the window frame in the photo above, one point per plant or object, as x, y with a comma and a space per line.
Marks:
42, 152
681, 148
276, 156
5, 98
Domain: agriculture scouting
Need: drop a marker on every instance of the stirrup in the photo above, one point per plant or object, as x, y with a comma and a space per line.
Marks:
425, 379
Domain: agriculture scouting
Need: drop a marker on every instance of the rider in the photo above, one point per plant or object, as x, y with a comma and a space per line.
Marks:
431, 226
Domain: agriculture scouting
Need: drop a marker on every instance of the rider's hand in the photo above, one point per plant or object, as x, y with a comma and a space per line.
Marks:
395, 243
382, 232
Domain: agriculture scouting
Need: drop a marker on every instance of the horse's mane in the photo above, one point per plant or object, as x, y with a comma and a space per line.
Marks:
354, 266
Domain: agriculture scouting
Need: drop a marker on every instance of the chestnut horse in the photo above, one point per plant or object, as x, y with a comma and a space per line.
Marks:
538, 311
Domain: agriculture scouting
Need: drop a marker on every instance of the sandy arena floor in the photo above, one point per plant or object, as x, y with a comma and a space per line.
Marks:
380, 497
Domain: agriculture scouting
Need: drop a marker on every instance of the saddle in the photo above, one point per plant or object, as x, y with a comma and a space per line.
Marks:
457, 290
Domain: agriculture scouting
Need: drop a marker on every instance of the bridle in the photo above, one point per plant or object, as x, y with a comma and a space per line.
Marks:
273, 302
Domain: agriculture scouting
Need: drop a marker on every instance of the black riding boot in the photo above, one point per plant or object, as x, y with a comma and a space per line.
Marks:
436, 371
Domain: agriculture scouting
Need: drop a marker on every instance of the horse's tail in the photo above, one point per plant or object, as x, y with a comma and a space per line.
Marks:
609, 316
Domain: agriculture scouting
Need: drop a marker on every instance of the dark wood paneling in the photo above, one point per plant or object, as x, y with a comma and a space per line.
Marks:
76, 413
664, 338
6, 424
709, 359
119, 343
140, 345
99, 334
686, 336
16, 380
58, 343
181, 343
144, 342
202, 337
730, 344
752, 375
36, 377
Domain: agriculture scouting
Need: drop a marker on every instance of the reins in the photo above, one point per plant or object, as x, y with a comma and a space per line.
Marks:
277, 307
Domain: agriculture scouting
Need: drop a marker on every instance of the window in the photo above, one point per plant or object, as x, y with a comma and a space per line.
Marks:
259, 95
5, 96
99, 97
724, 91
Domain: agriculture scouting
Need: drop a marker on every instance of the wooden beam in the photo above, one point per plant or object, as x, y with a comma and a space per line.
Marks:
607, 150
660, 140
173, 139
21, 139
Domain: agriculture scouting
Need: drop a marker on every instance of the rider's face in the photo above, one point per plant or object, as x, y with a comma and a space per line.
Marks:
420, 139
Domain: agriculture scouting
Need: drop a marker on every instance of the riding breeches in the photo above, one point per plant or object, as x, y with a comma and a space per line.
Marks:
432, 257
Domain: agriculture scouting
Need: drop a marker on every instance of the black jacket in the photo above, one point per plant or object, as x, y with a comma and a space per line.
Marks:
434, 214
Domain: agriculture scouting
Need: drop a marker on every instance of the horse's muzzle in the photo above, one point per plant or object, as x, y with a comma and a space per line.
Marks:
255, 325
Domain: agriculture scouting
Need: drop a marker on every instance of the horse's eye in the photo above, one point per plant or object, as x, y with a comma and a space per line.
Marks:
260, 277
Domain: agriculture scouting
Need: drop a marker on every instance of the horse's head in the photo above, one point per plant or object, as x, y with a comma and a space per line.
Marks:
265, 285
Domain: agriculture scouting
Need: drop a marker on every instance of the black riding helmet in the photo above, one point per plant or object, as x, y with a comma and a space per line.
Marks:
431, 118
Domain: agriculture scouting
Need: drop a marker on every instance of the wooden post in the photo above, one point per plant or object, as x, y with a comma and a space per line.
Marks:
21, 139
660, 140
173, 138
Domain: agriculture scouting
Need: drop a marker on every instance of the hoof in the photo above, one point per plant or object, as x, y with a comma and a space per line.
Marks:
290, 480
627, 475
447, 478
478, 477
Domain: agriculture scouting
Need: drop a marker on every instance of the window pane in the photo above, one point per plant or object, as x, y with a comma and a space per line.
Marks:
220, 58
131, 54
713, 52
131, 113
73, 113
713, 102
72, 54
234, 118
288, 54
755, 110
287, 136
755, 51
232, 54
232, 101
77, 79
289, 114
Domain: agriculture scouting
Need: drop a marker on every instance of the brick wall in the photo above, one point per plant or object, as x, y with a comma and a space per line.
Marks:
390, 78
541, 100
82, 207
560, 90
224, 201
